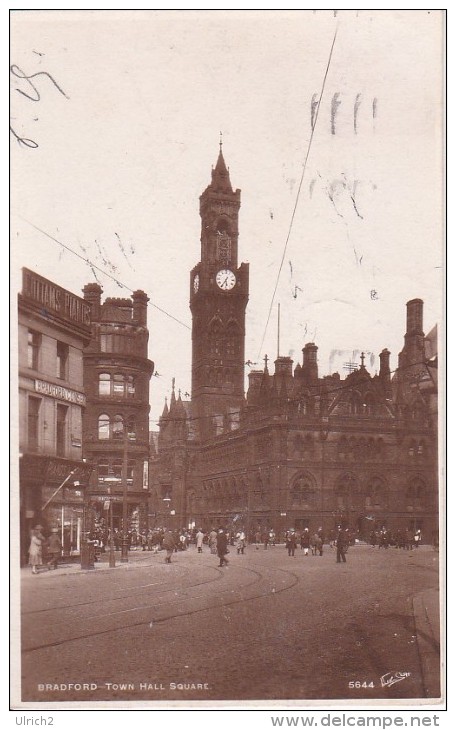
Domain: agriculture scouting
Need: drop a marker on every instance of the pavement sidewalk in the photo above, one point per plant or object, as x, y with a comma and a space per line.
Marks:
426, 609
135, 558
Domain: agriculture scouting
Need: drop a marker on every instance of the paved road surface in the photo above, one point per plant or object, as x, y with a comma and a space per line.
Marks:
266, 627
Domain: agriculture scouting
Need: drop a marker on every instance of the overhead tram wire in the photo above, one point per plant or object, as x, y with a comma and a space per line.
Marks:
102, 271
298, 192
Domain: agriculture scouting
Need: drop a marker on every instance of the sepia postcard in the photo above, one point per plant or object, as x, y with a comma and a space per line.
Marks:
227, 279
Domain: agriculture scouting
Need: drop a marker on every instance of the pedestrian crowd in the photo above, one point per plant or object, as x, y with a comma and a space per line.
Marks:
46, 550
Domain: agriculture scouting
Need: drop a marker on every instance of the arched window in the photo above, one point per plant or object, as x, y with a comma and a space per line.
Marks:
104, 384
369, 404
302, 491
298, 445
345, 492
258, 492
355, 404
117, 427
215, 338
305, 405
232, 339
103, 427
415, 495
375, 494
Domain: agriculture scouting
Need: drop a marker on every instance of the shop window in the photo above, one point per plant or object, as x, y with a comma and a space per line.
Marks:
33, 422
61, 429
104, 384
103, 427
62, 360
33, 349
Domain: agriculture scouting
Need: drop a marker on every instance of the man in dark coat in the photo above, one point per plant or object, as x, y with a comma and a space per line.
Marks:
222, 547
341, 545
291, 543
169, 544
54, 548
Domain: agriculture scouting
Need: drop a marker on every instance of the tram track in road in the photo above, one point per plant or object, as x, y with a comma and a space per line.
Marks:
230, 596
133, 589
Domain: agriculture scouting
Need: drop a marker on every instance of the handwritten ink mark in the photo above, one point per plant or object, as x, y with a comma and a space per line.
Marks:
38, 53
24, 140
19, 74
335, 103
388, 679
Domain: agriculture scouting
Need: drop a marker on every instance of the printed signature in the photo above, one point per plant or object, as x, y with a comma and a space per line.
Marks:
33, 95
391, 678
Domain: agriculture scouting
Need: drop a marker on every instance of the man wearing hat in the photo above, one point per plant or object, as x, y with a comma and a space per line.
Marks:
222, 547
54, 548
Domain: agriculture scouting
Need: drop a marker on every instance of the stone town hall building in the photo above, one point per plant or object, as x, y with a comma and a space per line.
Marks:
299, 449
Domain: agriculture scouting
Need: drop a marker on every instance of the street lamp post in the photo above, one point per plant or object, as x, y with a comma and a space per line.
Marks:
124, 552
167, 501
112, 554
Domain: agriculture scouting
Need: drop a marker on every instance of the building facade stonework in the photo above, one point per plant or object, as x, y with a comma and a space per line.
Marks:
299, 450
117, 372
53, 329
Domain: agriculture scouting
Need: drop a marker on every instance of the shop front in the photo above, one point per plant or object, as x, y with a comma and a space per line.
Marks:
52, 494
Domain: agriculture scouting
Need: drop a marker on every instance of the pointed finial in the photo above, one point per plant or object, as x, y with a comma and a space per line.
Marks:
221, 141
266, 362
179, 392
173, 383
362, 359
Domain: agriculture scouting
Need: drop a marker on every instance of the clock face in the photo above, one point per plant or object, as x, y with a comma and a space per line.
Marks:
225, 279
196, 283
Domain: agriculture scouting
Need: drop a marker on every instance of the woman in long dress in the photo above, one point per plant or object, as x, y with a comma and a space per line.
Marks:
36, 549
213, 542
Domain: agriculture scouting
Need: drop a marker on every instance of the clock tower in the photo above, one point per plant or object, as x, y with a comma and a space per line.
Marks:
219, 291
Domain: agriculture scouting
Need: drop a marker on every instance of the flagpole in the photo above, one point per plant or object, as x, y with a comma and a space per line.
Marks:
278, 329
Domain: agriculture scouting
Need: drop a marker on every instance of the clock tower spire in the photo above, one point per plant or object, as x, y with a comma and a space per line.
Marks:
219, 291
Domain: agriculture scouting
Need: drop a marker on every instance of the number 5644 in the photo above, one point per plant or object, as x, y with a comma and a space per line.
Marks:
358, 685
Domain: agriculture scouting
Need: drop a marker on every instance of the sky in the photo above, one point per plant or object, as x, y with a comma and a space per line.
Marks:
340, 226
